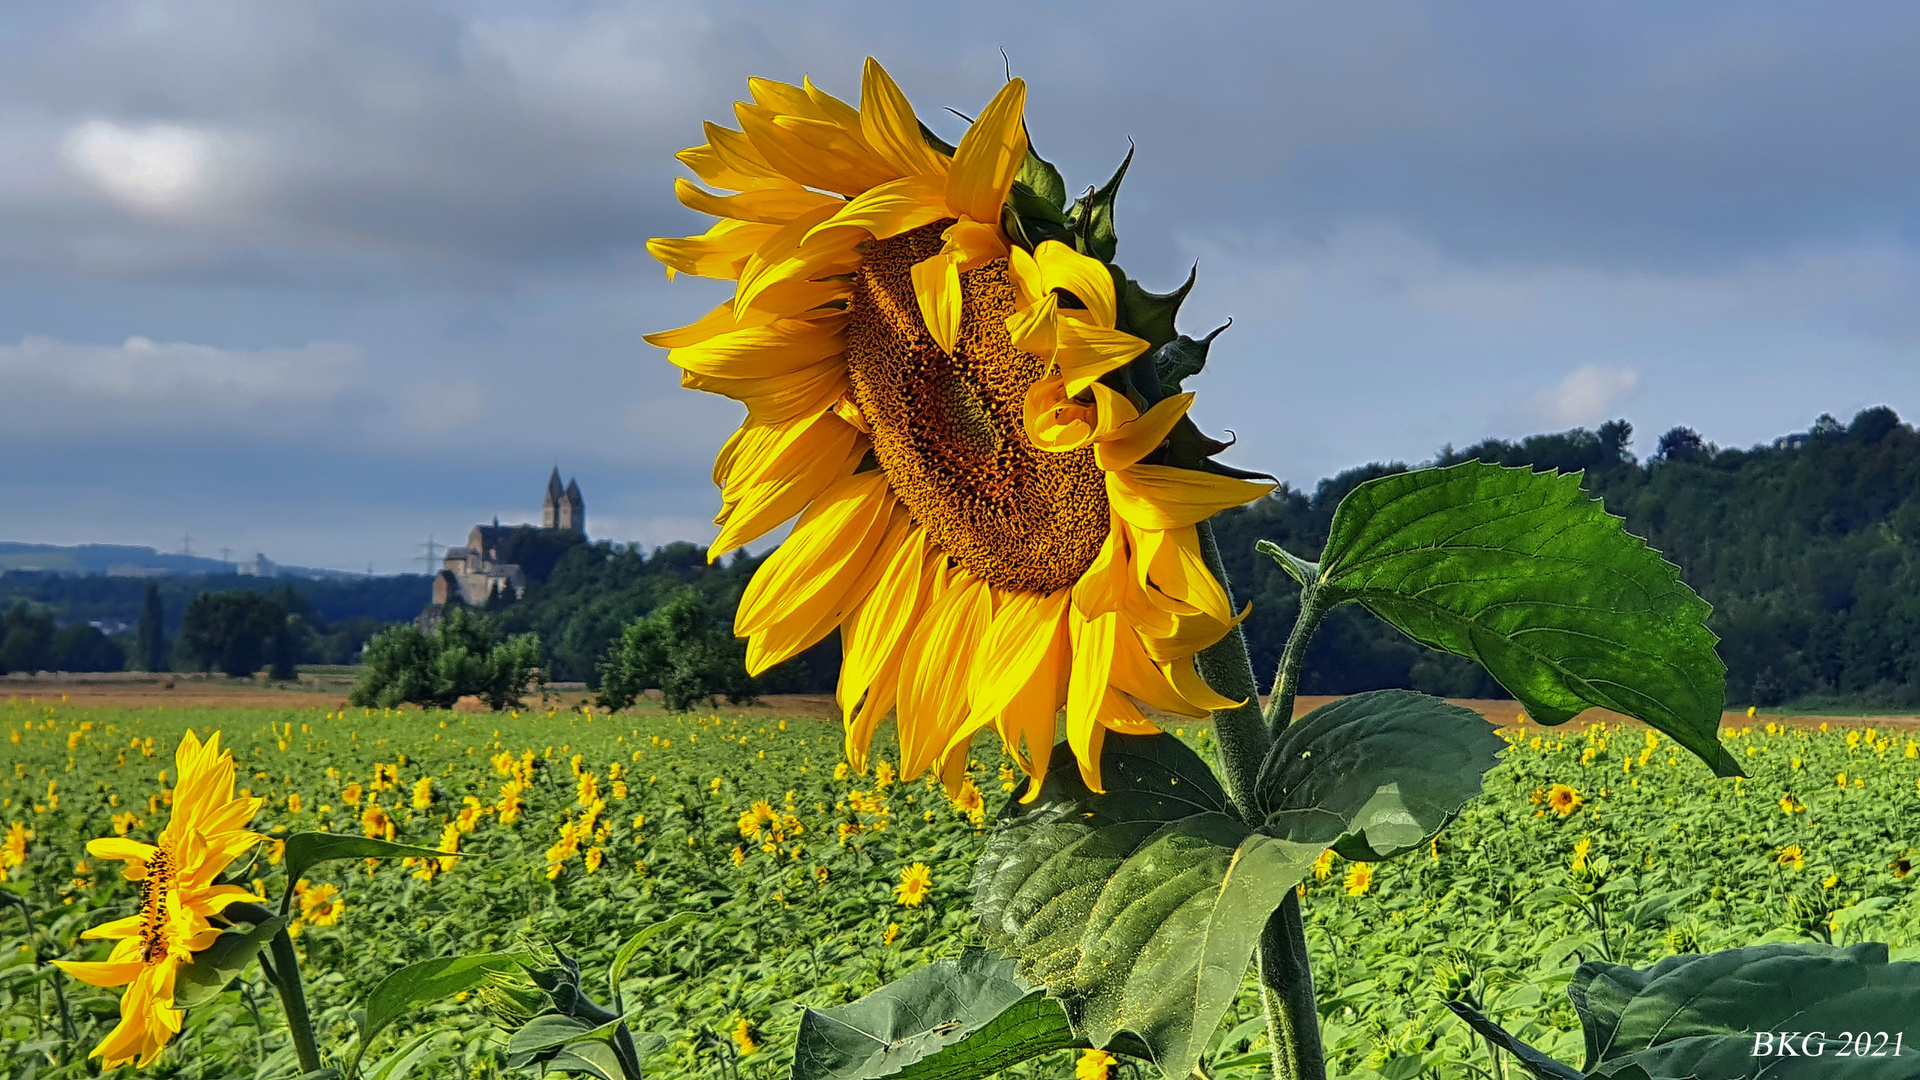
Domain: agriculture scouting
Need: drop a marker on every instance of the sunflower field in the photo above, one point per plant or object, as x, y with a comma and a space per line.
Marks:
763, 876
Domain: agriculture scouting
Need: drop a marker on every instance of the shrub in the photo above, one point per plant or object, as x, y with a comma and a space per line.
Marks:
465, 655
682, 648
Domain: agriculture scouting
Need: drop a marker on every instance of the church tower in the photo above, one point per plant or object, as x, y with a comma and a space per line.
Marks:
573, 511
550, 507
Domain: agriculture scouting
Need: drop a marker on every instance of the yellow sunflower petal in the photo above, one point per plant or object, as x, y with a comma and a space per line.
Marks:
1031, 328
1140, 437
1053, 421
1103, 585
778, 348
119, 847
788, 255
1087, 352
1028, 633
776, 398
720, 252
813, 152
888, 209
737, 155
1186, 679
819, 454
788, 298
1136, 674
1087, 689
971, 244
891, 128
990, 156
1163, 497
936, 285
773, 206
823, 557
935, 671
1087, 278
829, 606
1170, 559
106, 973
875, 635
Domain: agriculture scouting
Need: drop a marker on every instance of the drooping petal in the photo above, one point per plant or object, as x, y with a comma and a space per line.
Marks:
936, 285
990, 156
1164, 497
887, 210
1087, 278
1053, 421
1087, 352
1140, 437
119, 847
814, 620
1027, 632
105, 973
1186, 679
795, 472
1087, 689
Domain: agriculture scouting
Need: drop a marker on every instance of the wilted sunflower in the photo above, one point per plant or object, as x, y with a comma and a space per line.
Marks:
177, 898
974, 415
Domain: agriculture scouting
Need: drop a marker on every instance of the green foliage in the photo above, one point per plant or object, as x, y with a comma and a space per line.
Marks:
682, 647
955, 1019
222, 962
1138, 908
1375, 775
238, 631
1807, 548
598, 590
151, 639
1711, 1015
465, 655
1527, 574
418, 984
768, 939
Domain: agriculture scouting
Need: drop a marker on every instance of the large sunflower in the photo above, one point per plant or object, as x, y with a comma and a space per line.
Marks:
177, 896
948, 389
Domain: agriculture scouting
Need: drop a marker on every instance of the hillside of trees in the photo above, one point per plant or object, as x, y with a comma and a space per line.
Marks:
1808, 549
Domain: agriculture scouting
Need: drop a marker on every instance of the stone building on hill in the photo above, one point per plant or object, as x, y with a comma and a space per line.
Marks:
486, 568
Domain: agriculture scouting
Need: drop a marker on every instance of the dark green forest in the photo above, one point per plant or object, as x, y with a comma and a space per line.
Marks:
1808, 549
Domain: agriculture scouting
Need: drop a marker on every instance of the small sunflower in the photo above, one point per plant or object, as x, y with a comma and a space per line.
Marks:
1563, 799
178, 898
949, 383
1359, 879
916, 882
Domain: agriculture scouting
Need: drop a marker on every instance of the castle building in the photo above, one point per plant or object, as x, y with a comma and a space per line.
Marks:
479, 571
563, 509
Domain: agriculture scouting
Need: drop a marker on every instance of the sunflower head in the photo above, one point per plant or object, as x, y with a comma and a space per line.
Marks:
977, 417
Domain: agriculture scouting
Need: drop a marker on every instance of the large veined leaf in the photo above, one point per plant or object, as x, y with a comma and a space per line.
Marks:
1527, 574
1139, 908
1698, 1014
955, 1019
217, 965
1847, 1012
1376, 774
427, 981
306, 850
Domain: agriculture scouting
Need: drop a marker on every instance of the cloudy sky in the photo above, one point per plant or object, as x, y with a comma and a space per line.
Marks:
319, 278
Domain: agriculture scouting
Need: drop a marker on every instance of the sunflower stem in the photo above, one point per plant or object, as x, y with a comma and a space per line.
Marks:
293, 1001
1228, 669
1286, 978
1286, 680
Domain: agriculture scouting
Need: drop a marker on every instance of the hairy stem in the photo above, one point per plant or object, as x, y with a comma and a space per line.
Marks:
1286, 681
1286, 979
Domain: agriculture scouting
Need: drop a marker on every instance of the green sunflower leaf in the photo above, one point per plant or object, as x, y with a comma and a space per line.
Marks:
427, 981
1374, 775
1527, 574
308, 849
1138, 908
1697, 1015
955, 1019
217, 965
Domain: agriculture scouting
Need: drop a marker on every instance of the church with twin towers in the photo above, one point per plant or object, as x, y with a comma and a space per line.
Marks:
481, 570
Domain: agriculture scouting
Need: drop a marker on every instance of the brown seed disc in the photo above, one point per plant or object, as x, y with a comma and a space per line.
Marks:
947, 428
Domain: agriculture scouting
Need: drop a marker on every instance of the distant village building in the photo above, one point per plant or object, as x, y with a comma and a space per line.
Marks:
478, 572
